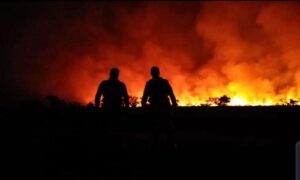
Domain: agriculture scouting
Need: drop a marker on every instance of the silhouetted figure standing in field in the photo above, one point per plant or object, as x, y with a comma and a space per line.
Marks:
114, 93
114, 97
158, 92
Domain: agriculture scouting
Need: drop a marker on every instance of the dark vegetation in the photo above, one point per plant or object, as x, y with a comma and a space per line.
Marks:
63, 140
221, 101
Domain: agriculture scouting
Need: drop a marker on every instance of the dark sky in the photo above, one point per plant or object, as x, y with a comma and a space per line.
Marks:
26, 31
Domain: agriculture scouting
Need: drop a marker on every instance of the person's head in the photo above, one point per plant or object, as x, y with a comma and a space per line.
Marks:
114, 73
155, 72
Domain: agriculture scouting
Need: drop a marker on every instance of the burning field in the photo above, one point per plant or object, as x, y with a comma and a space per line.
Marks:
248, 51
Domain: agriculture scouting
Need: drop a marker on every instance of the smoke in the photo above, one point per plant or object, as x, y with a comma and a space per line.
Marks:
256, 47
246, 50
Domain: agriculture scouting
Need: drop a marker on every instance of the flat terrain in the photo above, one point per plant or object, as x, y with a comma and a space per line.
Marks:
212, 143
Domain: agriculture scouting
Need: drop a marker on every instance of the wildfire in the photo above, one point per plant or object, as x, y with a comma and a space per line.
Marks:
251, 48
248, 51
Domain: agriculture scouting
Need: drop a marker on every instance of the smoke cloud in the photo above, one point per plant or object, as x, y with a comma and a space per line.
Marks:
247, 50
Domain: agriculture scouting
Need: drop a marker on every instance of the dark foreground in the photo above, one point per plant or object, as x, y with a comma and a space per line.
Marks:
213, 143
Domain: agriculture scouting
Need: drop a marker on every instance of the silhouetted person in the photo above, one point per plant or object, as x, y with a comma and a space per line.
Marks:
114, 93
158, 91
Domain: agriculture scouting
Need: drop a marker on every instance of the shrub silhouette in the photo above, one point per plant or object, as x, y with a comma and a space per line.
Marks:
224, 100
221, 101
292, 102
285, 102
133, 101
55, 102
212, 101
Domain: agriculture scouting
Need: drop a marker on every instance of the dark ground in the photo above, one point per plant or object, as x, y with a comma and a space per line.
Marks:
213, 143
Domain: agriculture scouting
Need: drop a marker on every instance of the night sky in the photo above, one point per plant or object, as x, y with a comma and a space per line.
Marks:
27, 33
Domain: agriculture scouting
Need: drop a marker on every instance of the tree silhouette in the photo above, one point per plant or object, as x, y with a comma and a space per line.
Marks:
224, 100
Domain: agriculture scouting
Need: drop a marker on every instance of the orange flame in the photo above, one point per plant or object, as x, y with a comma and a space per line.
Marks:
248, 51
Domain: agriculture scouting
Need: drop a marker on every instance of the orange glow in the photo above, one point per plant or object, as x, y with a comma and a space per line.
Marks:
249, 51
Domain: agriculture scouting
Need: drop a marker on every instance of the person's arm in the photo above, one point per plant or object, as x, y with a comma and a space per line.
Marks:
171, 94
145, 95
125, 95
98, 95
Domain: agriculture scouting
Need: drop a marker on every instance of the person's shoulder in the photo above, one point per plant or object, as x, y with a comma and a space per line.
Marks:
121, 83
164, 80
150, 81
104, 81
